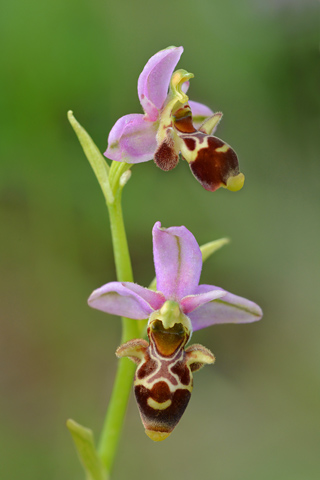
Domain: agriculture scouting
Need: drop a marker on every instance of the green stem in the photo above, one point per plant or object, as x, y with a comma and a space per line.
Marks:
113, 424
111, 181
112, 428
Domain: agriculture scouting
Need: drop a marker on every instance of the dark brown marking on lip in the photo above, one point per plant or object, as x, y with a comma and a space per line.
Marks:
200, 136
181, 369
190, 143
212, 168
147, 367
161, 420
160, 392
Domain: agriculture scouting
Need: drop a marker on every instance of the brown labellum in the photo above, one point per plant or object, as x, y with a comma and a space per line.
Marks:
214, 164
163, 381
212, 161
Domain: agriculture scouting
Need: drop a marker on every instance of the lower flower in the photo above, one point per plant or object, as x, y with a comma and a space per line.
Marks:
163, 380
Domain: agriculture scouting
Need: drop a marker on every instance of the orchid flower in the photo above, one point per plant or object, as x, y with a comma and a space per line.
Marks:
179, 306
172, 124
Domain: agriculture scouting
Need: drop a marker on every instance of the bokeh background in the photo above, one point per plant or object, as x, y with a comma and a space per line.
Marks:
255, 414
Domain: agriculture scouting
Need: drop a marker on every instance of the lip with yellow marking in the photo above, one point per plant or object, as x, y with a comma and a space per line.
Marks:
158, 406
223, 149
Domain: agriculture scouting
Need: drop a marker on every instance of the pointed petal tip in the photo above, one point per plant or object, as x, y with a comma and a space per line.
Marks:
92, 297
172, 47
211, 247
192, 302
210, 124
157, 225
154, 80
258, 312
177, 259
229, 309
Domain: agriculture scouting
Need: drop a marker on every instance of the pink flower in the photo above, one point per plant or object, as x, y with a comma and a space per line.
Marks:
164, 377
171, 124
178, 264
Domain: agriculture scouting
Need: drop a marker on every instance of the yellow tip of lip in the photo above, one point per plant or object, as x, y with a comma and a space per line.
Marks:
157, 436
235, 183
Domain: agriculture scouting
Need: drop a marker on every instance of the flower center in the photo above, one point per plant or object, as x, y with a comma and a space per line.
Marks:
175, 100
213, 162
167, 340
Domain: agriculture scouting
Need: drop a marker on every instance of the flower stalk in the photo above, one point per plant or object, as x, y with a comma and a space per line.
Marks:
112, 180
113, 424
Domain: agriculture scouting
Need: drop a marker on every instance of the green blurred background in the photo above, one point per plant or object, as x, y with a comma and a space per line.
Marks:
254, 415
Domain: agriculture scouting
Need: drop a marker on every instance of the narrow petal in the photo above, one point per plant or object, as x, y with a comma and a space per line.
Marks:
126, 299
229, 309
199, 113
132, 139
191, 302
210, 124
178, 261
155, 78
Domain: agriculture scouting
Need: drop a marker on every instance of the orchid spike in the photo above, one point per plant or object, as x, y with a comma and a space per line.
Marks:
171, 124
163, 381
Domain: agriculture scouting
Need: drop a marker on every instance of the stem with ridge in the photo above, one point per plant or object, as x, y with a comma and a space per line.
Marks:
112, 180
113, 424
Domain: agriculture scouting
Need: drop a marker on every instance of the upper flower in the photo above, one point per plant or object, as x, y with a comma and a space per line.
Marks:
179, 297
168, 126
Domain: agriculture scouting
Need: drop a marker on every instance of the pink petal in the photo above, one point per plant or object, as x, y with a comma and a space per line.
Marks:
132, 139
199, 112
155, 78
126, 300
229, 309
178, 261
191, 302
